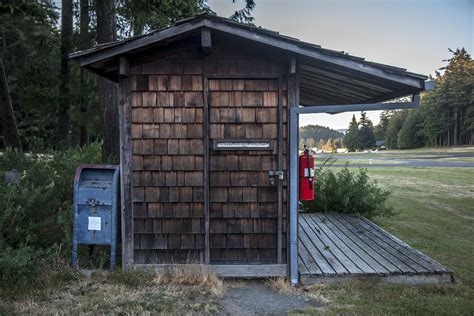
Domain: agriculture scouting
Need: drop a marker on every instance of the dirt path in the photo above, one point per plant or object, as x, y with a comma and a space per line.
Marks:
255, 298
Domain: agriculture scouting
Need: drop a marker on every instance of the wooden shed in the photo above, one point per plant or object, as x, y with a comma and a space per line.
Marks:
204, 110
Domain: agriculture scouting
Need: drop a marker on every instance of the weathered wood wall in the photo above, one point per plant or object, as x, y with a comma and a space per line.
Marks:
168, 157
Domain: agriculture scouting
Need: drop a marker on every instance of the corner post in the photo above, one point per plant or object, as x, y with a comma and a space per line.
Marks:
126, 211
293, 102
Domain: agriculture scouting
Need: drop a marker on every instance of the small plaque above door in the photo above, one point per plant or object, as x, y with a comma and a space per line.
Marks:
242, 144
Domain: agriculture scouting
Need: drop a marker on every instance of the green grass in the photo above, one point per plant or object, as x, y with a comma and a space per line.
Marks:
435, 209
400, 156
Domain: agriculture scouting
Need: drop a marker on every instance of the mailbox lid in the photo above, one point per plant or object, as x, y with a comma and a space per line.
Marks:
91, 175
97, 184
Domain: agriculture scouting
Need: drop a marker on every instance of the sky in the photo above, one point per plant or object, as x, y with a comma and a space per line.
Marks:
413, 34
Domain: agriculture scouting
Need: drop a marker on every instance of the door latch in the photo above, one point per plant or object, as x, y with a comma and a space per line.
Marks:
274, 176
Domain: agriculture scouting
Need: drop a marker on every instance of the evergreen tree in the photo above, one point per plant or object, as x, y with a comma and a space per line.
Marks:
136, 17
394, 126
43, 82
108, 90
351, 139
447, 111
381, 128
410, 135
30, 51
63, 127
366, 138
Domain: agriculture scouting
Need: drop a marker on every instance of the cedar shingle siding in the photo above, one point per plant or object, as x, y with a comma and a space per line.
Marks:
167, 130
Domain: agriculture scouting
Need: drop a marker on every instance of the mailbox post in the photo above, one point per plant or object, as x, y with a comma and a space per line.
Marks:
95, 208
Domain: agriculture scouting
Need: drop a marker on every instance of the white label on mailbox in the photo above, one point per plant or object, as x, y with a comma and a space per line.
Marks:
94, 223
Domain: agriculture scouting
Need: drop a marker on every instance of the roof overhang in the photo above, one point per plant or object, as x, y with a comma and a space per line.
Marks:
326, 76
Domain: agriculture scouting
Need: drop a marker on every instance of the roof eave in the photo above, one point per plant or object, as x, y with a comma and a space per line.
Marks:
85, 58
111, 50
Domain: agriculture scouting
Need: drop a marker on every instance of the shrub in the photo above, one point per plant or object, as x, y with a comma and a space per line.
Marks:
347, 192
16, 265
35, 215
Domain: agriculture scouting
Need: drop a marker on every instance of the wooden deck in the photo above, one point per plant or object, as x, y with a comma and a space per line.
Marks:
334, 247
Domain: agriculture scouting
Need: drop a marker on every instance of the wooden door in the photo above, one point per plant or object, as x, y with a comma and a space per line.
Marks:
243, 208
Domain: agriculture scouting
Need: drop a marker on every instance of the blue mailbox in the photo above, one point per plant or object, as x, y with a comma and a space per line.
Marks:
95, 208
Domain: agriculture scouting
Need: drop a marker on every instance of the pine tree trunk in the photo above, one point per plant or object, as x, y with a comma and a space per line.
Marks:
84, 21
7, 116
137, 28
83, 132
456, 128
108, 90
64, 121
448, 140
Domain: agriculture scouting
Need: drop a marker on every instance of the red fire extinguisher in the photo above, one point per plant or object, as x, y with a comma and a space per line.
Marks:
306, 175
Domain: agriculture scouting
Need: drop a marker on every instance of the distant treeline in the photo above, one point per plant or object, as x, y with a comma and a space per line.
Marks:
312, 135
445, 116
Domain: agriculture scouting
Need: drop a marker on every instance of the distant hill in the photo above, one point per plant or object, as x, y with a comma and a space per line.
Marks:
318, 132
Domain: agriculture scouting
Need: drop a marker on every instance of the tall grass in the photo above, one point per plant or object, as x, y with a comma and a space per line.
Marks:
180, 276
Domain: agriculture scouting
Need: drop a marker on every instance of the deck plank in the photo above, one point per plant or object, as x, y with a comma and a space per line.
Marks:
401, 265
359, 248
368, 247
433, 264
327, 246
308, 261
345, 246
403, 253
303, 270
326, 261
326, 267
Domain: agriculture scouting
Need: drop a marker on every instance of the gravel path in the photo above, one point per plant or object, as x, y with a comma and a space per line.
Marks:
255, 298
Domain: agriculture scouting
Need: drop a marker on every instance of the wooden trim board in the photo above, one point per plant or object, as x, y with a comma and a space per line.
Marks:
414, 279
227, 270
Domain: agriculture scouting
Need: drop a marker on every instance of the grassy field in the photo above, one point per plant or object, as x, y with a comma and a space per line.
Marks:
435, 209
435, 214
